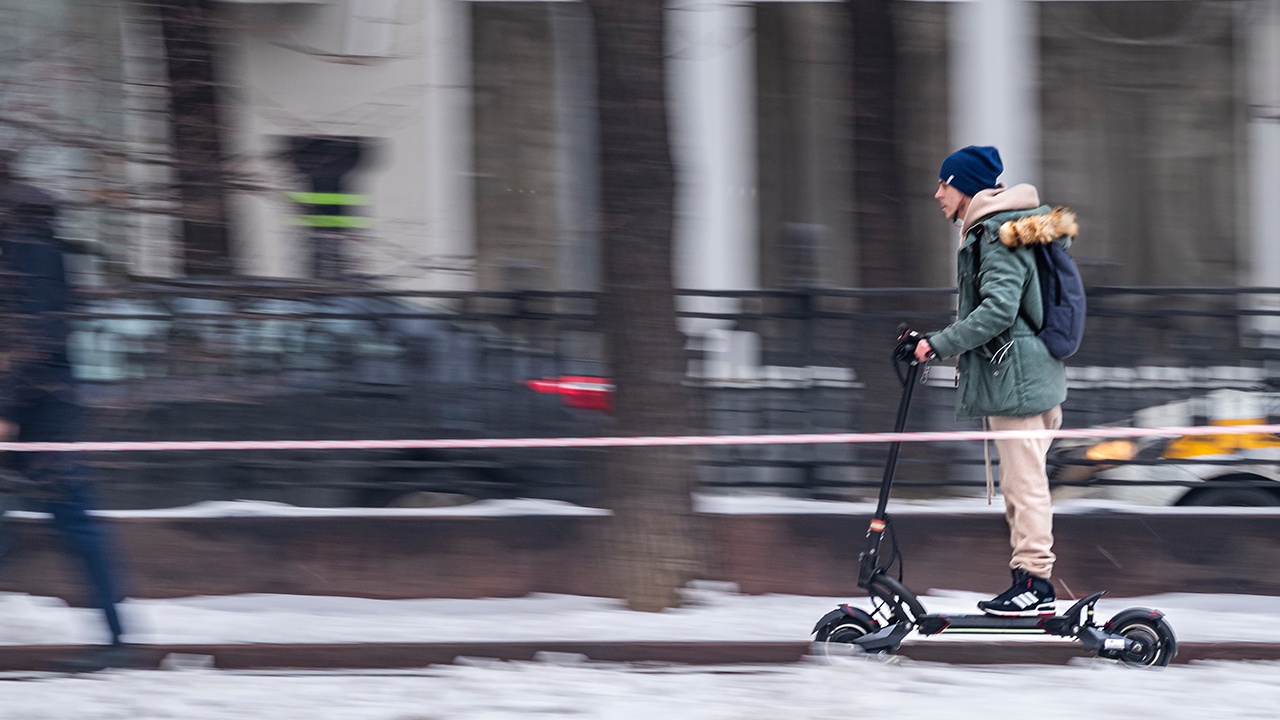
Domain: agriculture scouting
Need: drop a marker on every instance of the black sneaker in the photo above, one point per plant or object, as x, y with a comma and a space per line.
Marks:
117, 655
1030, 596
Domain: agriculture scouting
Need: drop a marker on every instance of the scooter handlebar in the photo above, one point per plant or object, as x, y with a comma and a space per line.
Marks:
905, 350
904, 353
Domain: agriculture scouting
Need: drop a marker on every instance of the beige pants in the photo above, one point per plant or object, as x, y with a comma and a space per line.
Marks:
1025, 486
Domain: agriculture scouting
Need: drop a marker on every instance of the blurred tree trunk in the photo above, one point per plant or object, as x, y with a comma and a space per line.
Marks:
879, 211
877, 187
195, 115
651, 548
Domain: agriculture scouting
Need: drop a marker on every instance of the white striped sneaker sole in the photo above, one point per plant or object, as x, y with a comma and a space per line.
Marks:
1032, 612
1027, 604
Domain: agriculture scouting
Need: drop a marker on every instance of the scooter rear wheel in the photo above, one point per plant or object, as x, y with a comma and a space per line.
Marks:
1154, 647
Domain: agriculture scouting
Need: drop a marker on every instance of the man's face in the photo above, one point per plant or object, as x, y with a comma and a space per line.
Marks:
952, 202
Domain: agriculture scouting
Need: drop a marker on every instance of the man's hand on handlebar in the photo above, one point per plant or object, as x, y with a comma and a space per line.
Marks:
924, 353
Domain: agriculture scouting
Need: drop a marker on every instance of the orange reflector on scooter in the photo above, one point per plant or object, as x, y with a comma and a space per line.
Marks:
877, 525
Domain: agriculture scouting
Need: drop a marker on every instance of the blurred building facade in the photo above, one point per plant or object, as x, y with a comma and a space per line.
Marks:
452, 145
463, 134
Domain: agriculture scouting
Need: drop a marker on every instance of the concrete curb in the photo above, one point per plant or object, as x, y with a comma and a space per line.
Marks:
391, 656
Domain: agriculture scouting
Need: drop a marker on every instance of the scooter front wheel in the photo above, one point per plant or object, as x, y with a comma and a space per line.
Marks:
848, 628
836, 636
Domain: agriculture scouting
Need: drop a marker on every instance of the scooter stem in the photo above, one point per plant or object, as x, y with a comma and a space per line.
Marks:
870, 565
891, 464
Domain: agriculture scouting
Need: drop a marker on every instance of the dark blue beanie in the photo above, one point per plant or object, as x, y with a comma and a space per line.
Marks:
971, 169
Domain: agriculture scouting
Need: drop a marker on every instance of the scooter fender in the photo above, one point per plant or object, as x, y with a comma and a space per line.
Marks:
841, 612
1139, 613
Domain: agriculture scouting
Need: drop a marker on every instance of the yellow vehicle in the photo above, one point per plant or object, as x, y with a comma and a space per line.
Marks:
1227, 469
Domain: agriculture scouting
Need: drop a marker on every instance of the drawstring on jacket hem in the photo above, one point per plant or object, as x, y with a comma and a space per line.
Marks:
986, 457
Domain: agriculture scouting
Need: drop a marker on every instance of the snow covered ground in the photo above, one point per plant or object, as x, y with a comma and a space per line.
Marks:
561, 687
566, 687
752, 503
713, 613
813, 691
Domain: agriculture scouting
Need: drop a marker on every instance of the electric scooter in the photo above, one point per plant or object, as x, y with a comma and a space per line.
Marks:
1136, 636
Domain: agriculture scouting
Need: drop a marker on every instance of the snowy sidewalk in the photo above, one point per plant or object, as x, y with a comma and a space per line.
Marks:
716, 626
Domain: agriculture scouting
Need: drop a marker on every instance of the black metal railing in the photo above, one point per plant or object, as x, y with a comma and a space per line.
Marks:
256, 361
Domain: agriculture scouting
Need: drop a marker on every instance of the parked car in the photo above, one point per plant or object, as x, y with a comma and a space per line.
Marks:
273, 360
1227, 469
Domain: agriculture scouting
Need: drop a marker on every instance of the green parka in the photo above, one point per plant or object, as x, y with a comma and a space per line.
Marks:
1003, 368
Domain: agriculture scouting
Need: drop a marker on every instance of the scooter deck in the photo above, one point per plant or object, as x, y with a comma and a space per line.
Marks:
887, 639
1050, 624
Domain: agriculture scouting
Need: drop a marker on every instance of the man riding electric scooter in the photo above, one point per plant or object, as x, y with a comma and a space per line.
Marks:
1006, 376
1009, 377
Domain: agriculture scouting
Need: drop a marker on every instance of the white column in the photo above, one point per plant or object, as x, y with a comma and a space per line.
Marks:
448, 192
1262, 63
1263, 83
577, 147
711, 67
995, 78
153, 225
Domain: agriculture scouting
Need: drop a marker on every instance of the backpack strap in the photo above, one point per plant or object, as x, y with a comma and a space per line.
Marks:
977, 260
1044, 273
1035, 283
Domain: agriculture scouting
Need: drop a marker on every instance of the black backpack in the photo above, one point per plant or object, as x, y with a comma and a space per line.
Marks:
1062, 297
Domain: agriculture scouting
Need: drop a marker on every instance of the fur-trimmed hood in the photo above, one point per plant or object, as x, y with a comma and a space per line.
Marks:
997, 200
1035, 227
1039, 229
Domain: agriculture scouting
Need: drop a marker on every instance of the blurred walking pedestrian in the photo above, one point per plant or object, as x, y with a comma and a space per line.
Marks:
1007, 376
38, 400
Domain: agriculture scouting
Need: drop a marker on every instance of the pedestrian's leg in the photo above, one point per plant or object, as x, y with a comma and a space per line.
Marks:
1025, 486
90, 540
67, 495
